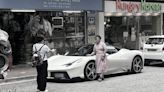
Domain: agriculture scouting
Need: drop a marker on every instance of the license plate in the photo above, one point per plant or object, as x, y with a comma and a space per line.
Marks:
152, 50
58, 75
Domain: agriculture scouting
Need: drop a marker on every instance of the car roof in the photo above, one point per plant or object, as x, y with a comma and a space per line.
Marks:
157, 36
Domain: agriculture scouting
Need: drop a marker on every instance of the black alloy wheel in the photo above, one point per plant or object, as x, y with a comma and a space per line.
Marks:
137, 64
90, 71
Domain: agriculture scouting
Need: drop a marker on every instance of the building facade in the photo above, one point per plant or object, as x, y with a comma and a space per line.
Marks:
73, 24
127, 23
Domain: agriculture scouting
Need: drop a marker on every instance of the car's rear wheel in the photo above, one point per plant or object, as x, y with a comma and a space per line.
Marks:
90, 71
137, 65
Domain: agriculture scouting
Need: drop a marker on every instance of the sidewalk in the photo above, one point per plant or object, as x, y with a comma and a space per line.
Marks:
19, 72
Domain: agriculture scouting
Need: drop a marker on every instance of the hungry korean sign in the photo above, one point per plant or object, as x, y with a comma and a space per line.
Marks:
133, 7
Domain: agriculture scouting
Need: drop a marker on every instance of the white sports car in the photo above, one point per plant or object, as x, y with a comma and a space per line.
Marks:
78, 64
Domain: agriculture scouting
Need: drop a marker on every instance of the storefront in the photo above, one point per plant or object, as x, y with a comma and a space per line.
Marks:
73, 24
128, 23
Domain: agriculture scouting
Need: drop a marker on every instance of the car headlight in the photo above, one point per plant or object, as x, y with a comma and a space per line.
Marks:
71, 63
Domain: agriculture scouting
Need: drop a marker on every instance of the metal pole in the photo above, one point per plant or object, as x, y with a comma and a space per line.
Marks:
85, 28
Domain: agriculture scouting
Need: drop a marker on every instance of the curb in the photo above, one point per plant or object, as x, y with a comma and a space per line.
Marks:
17, 78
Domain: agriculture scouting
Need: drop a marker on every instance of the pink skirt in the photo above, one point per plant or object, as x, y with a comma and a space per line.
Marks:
101, 63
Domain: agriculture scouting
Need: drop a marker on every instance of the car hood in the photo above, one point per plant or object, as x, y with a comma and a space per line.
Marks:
61, 60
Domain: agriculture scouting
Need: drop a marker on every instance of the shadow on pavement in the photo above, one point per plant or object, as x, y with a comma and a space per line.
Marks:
118, 74
76, 80
156, 65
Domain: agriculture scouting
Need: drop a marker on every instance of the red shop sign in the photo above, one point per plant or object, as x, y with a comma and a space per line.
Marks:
127, 6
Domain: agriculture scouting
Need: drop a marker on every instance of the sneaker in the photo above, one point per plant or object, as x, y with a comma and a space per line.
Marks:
5, 75
102, 77
99, 79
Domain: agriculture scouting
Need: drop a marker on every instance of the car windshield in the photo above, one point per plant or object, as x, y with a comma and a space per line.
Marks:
84, 50
155, 41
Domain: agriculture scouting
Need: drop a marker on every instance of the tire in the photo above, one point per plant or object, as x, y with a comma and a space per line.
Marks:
137, 65
90, 71
3, 63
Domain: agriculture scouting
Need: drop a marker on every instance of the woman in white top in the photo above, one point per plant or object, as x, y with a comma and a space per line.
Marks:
42, 68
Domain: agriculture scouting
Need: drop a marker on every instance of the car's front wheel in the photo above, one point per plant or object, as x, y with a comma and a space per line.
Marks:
137, 65
90, 71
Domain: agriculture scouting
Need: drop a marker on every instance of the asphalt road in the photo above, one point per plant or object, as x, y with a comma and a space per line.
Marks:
150, 80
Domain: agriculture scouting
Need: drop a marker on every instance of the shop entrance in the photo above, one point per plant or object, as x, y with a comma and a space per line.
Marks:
128, 31
15, 24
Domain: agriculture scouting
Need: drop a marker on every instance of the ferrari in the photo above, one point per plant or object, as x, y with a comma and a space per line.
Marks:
78, 64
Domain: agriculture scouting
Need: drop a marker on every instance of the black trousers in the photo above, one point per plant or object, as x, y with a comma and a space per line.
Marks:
42, 76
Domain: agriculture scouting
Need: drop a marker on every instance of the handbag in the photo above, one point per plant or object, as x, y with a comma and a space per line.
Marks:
37, 58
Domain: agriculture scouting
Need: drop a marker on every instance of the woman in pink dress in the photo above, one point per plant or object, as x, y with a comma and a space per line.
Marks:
100, 51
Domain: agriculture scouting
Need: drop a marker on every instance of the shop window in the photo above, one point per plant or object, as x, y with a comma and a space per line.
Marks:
72, 34
68, 32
